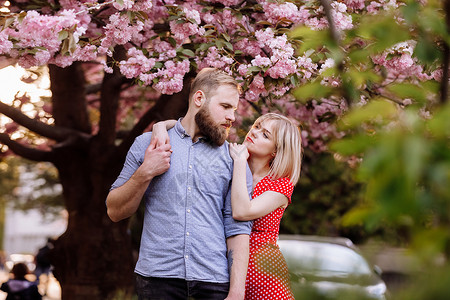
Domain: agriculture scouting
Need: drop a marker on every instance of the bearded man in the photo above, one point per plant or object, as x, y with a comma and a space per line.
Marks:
191, 247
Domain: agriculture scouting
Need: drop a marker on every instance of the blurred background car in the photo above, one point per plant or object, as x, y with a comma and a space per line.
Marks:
330, 267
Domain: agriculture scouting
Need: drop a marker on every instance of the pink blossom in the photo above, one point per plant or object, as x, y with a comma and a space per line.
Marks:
282, 68
276, 11
119, 31
161, 46
62, 60
227, 2
126, 4
136, 63
355, 4
5, 44
86, 53
42, 57
264, 36
260, 61
171, 85
256, 89
107, 68
242, 69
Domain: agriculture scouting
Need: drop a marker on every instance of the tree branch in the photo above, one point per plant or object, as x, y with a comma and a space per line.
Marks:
109, 101
167, 107
24, 151
446, 62
52, 132
336, 37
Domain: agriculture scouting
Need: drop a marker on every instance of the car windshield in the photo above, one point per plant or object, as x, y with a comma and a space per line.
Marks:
306, 256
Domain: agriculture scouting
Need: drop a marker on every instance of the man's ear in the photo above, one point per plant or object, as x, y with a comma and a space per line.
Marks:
199, 98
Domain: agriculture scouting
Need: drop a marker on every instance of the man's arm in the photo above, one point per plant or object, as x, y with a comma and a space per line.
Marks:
238, 252
122, 202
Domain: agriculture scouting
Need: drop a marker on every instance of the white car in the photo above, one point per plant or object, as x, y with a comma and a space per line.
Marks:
330, 267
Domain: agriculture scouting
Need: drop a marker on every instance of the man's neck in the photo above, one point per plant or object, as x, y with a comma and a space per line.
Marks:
190, 126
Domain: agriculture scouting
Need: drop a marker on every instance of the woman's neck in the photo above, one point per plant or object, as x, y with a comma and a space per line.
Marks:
259, 167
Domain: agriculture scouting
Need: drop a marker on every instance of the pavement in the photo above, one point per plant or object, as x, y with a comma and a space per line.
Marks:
50, 291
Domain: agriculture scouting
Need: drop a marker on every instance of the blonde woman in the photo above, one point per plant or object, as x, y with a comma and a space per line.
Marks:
273, 151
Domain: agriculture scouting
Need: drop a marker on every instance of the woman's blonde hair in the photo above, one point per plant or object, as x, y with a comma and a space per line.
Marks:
288, 145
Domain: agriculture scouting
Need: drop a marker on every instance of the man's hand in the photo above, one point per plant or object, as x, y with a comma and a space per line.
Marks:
156, 160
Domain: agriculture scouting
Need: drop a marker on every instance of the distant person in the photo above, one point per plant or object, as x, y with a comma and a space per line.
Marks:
42, 259
19, 288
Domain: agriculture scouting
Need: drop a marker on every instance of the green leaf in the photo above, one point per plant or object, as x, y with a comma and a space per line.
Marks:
439, 125
383, 30
254, 69
352, 145
229, 46
312, 90
411, 11
188, 52
426, 51
374, 110
172, 41
62, 35
408, 90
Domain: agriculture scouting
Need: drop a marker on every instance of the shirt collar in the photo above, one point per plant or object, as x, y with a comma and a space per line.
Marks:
179, 129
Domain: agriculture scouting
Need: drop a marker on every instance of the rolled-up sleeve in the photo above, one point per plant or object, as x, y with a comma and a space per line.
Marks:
233, 227
133, 160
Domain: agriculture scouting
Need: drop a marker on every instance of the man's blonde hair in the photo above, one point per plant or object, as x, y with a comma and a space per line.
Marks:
208, 80
288, 145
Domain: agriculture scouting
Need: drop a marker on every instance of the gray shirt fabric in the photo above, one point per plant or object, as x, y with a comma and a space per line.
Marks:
187, 210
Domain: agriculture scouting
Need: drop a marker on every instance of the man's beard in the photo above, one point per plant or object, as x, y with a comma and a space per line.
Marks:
210, 129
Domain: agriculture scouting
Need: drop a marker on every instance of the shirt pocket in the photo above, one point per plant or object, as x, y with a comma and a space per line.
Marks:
215, 180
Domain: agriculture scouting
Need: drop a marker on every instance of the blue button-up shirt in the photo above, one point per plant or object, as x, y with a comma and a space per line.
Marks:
187, 210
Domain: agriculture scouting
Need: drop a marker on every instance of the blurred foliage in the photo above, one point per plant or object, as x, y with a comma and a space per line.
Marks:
39, 188
326, 191
400, 133
406, 168
8, 181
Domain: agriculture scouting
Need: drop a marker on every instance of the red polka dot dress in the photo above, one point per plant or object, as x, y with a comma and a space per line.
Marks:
267, 275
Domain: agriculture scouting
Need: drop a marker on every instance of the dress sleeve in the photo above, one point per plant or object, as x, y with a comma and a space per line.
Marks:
283, 186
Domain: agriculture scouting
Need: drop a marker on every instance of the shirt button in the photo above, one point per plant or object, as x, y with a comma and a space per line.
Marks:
187, 233
188, 210
189, 188
190, 166
186, 256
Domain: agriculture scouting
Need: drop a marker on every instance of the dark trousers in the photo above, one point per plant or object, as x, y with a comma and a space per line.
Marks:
152, 288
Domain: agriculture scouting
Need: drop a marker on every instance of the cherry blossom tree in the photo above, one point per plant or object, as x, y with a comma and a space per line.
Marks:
118, 66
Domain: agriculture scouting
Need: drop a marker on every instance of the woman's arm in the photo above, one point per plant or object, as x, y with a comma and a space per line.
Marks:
159, 132
244, 209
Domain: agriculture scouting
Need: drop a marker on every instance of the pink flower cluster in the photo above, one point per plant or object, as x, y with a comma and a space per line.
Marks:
37, 31
119, 31
182, 31
276, 11
136, 64
341, 18
214, 59
256, 89
170, 78
400, 64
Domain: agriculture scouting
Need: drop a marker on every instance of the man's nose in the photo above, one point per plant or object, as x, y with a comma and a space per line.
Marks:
230, 117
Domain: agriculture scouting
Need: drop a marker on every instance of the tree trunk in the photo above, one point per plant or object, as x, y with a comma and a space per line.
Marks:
93, 258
